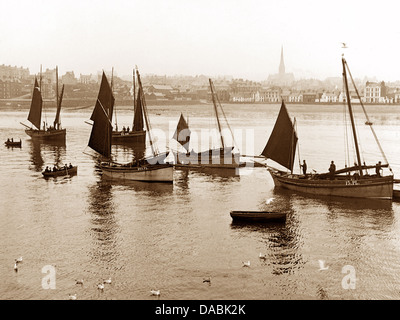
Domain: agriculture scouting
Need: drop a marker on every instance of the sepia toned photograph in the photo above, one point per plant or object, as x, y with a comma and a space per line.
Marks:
219, 152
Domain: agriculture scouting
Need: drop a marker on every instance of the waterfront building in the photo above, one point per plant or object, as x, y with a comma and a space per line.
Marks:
375, 92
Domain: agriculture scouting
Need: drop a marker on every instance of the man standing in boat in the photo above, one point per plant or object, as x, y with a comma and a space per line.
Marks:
332, 169
378, 169
304, 166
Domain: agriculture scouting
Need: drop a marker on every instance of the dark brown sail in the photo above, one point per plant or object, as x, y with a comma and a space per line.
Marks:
281, 146
138, 123
182, 133
100, 137
59, 101
35, 113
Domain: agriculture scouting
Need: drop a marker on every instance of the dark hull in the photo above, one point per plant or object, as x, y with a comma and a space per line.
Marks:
213, 158
131, 137
343, 186
47, 134
58, 173
258, 216
15, 144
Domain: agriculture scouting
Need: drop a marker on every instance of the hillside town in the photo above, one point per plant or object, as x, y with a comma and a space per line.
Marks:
16, 84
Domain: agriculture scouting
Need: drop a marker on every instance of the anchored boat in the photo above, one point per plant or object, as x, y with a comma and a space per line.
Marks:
55, 132
258, 216
346, 182
145, 169
223, 157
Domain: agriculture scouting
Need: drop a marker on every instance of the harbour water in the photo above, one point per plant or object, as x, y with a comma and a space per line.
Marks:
169, 237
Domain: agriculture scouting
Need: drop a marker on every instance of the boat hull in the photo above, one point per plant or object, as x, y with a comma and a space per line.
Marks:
258, 216
344, 186
58, 173
149, 173
214, 158
15, 144
131, 137
46, 134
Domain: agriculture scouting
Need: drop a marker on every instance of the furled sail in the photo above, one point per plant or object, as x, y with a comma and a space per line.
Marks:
281, 146
59, 101
182, 133
138, 123
35, 113
100, 137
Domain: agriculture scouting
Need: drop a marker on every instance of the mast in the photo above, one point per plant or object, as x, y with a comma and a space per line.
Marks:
352, 118
216, 113
58, 104
112, 90
141, 96
134, 97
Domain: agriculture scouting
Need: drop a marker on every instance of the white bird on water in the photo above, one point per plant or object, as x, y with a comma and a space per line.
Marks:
322, 265
262, 256
246, 263
268, 201
72, 297
155, 292
100, 286
108, 281
79, 281
15, 267
18, 260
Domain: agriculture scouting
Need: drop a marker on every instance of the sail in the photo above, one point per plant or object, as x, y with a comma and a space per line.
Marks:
100, 137
35, 113
281, 146
138, 123
59, 101
182, 133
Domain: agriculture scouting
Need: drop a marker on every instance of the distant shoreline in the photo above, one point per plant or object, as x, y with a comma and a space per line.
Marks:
81, 104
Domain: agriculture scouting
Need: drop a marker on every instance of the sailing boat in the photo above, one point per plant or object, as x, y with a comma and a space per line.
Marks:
152, 169
54, 132
222, 157
137, 134
281, 148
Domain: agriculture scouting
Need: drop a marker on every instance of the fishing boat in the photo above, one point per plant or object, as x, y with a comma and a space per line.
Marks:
63, 171
222, 157
54, 132
258, 216
147, 169
137, 134
349, 181
12, 143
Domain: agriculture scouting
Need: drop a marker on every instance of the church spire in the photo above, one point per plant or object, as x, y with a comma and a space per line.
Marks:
282, 64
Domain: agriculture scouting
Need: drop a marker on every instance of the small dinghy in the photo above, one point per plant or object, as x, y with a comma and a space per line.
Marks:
63, 171
12, 143
258, 216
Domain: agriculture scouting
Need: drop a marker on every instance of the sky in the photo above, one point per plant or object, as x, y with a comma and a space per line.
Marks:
242, 39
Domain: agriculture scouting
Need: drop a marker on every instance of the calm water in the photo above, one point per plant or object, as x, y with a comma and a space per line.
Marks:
169, 237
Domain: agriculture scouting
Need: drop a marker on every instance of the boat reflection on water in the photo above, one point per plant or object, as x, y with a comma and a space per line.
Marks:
281, 241
215, 173
103, 227
49, 152
152, 188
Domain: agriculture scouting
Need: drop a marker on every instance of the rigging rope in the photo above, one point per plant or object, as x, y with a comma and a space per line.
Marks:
368, 121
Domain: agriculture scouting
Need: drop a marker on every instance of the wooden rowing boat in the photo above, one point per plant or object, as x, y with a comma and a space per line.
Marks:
258, 216
10, 143
61, 172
